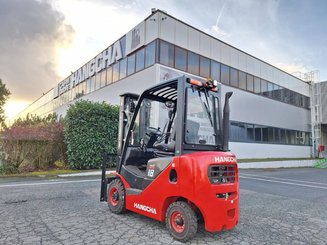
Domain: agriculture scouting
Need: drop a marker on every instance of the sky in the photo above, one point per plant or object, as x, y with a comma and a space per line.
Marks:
42, 41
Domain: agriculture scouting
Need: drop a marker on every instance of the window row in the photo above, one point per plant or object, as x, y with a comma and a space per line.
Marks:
185, 60
246, 132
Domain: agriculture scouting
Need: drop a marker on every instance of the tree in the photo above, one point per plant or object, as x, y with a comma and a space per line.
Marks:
4, 94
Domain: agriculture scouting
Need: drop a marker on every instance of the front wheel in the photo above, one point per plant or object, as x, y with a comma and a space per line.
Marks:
181, 221
116, 197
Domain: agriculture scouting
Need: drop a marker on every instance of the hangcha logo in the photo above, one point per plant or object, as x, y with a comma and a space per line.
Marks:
145, 208
225, 159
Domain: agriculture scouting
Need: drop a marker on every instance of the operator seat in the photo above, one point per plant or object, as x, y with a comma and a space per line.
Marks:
191, 133
167, 147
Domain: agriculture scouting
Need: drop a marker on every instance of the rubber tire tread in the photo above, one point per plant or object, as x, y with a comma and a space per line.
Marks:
121, 206
188, 215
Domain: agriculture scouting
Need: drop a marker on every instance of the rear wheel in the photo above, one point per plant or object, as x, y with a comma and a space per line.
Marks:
116, 197
181, 221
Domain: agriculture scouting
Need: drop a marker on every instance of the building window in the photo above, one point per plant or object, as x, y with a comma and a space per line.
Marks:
296, 99
97, 81
302, 100
115, 72
245, 132
307, 102
276, 94
249, 83
166, 54
264, 88
242, 80
286, 95
283, 136
180, 58
204, 67
249, 132
103, 77
139, 60
270, 89
257, 133
87, 87
150, 54
193, 63
257, 85
237, 131
271, 136
278, 138
109, 75
293, 137
91, 84
225, 74
83, 87
234, 77
122, 68
215, 70
131, 64
265, 134
307, 138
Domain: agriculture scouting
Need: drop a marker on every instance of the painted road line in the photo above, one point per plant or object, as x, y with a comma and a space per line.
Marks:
49, 183
284, 182
291, 180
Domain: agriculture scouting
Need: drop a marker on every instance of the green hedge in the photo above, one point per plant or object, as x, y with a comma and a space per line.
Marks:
91, 129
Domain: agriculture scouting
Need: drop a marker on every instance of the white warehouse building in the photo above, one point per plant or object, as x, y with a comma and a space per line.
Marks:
270, 109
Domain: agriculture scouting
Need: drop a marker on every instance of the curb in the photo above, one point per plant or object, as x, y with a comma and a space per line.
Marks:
97, 173
277, 164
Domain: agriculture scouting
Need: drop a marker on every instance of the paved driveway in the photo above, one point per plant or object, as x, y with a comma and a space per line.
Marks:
68, 211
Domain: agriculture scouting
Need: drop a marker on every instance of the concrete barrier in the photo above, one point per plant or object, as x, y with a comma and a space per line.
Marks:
278, 164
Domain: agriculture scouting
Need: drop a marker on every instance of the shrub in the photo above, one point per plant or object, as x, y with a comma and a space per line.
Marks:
33, 143
91, 130
6, 168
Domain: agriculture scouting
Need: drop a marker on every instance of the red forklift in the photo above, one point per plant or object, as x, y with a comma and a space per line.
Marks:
174, 164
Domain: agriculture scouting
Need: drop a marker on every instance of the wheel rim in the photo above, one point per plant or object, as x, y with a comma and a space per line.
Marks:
114, 196
177, 221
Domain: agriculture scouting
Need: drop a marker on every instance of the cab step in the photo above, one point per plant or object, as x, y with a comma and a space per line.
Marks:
133, 191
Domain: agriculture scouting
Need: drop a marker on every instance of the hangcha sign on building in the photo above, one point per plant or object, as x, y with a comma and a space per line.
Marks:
134, 40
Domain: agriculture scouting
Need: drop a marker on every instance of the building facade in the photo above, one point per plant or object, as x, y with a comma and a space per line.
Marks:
270, 109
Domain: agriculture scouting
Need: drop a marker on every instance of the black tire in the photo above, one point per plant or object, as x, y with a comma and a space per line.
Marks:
181, 221
116, 197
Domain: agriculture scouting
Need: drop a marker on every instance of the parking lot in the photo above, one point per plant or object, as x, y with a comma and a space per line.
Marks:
285, 206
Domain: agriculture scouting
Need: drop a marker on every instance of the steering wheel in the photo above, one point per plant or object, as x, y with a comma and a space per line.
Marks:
151, 136
161, 138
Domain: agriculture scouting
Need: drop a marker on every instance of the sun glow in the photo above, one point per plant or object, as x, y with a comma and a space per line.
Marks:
13, 107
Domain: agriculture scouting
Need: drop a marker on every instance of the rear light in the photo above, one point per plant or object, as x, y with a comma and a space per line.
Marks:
222, 174
209, 84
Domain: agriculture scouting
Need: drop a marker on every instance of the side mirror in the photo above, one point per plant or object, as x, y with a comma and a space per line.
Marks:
226, 121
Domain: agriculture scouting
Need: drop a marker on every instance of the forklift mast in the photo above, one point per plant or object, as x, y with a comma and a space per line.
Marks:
127, 108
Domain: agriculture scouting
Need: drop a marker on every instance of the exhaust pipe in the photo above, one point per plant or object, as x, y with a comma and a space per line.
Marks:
226, 122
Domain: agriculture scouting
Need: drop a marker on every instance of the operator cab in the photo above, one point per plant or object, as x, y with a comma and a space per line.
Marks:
170, 119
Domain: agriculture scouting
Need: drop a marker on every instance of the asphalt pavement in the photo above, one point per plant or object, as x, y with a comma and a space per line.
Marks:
280, 206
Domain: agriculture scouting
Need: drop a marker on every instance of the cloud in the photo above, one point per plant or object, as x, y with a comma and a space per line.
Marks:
293, 68
31, 31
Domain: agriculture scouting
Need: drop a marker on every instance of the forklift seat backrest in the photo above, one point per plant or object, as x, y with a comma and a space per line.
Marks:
192, 130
